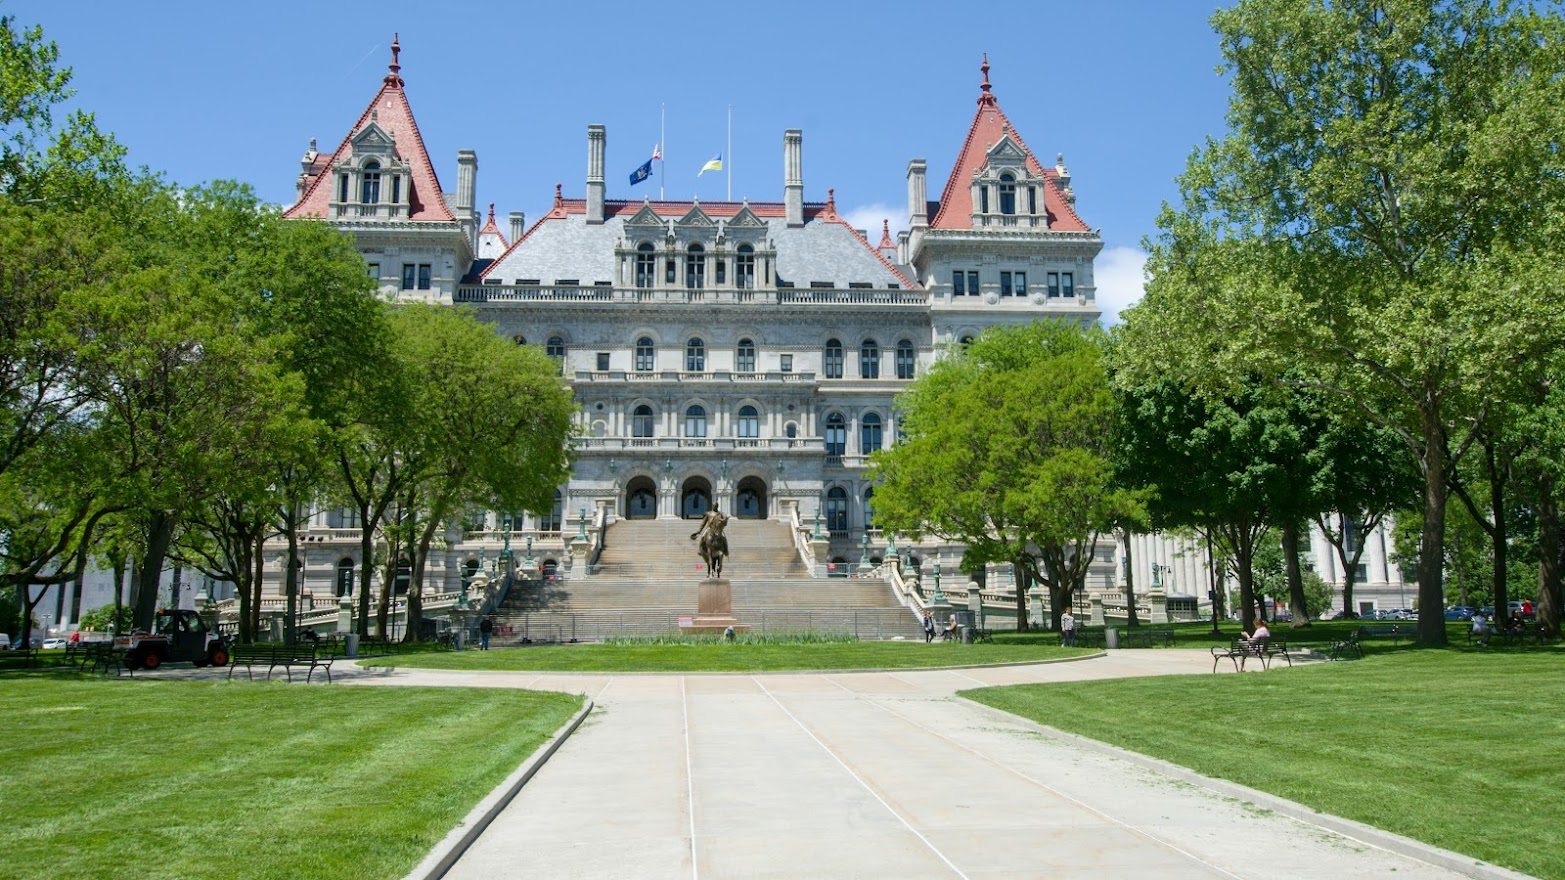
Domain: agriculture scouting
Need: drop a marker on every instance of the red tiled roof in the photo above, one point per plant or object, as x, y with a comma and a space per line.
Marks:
490, 227
989, 125
392, 112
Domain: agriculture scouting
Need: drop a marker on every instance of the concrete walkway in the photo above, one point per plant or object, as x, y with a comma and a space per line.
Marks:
874, 775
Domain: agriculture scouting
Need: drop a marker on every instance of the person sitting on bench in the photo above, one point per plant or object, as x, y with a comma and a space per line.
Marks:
1261, 633
951, 631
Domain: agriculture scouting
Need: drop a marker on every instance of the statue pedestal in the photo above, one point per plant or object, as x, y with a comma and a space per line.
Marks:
715, 609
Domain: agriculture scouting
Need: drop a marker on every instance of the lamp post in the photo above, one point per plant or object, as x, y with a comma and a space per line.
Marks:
864, 552
940, 597
581, 524
817, 535
529, 560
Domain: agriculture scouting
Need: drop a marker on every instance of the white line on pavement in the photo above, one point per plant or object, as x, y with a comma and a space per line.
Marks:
859, 779
1055, 791
690, 780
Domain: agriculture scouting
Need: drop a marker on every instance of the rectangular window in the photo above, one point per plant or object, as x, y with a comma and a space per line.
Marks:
983, 200
958, 283
396, 189
1032, 200
669, 270
1360, 573
372, 271
1054, 284
603, 362
423, 276
342, 187
1005, 284
787, 363
1021, 283
1068, 285
722, 271
409, 276
972, 284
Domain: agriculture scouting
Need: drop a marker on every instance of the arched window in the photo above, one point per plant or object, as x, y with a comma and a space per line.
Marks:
869, 507
831, 363
695, 421
695, 267
837, 509
836, 434
744, 356
906, 359
744, 268
551, 523
555, 348
695, 355
641, 421
869, 433
646, 355
749, 422
965, 341
792, 430
1007, 193
869, 360
646, 265
369, 183
345, 577
519, 339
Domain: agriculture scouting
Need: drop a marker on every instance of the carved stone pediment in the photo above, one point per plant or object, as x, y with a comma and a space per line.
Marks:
372, 140
696, 218
645, 220
746, 219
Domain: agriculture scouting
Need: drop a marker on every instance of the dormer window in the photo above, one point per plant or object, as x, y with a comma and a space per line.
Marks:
744, 268
1007, 193
369, 183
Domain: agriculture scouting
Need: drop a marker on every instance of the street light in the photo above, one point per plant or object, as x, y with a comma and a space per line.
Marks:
939, 596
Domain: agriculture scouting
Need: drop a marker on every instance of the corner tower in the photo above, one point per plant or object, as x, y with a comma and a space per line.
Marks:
1004, 243
380, 185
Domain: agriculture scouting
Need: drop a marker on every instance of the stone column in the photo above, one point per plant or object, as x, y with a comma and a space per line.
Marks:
596, 141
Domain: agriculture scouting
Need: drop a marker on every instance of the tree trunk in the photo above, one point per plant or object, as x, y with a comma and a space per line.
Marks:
1290, 554
1130, 582
1551, 558
366, 570
1431, 545
160, 535
1023, 583
259, 561
416, 588
118, 563
1497, 536
291, 582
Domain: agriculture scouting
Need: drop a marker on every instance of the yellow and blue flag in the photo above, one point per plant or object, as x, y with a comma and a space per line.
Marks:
713, 164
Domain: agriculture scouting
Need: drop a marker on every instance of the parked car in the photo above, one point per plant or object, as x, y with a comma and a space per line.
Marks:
53, 643
5, 642
1459, 612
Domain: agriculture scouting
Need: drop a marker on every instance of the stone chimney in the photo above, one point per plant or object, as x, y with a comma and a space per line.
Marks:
1064, 178
518, 225
917, 206
466, 190
793, 176
306, 164
596, 136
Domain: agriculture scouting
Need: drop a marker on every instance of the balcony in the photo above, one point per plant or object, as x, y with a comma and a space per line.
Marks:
699, 443
681, 377
498, 293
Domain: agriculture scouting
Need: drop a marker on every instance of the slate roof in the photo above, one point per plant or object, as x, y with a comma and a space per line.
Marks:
989, 125
563, 246
391, 111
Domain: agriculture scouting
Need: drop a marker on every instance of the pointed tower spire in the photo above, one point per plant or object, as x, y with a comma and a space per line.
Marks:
986, 97
394, 76
885, 235
491, 213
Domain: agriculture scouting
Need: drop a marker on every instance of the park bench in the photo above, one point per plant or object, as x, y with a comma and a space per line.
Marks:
289, 657
1393, 632
1146, 638
1341, 648
22, 656
1240, 650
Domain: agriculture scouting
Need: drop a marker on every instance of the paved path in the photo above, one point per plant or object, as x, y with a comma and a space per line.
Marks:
871, 775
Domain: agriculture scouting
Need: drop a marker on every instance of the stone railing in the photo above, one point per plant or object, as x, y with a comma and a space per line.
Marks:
604, 293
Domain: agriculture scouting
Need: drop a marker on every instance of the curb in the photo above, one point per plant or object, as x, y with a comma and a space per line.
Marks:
1366, 834
636, 672
455, 843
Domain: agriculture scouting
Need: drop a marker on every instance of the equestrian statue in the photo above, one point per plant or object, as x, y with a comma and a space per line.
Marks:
712, 545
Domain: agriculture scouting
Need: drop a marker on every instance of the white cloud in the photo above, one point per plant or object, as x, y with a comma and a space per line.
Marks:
867, 219
1119, 273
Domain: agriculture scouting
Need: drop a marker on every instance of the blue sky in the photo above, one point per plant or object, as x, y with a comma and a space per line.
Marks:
1124, 88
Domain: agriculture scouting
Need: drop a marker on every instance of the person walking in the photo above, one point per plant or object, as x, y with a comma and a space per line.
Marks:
1068, 629
485, 628
929, 627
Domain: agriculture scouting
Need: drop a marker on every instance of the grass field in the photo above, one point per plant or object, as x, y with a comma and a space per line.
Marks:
715, 656
1461, 749
110, 779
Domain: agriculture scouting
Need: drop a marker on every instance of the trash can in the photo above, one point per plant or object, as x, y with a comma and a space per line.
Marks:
967, 635
350, 645
1111, 637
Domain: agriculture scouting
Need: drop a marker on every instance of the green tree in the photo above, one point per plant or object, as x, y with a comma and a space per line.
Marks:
101, 619
1384, 211
1019, 476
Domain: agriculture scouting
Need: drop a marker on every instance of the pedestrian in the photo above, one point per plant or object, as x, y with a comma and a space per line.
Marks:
1068, 629
929, 627
485, 627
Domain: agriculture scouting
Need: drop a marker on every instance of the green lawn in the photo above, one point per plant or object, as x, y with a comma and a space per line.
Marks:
120, 778
716, 656
1461, 749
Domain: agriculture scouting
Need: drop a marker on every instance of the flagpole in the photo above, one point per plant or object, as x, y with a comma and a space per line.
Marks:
730, 196
661, 145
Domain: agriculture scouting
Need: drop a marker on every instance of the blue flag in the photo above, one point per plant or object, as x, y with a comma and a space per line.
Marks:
642, 173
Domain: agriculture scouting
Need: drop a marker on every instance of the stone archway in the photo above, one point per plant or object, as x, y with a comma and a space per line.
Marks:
695, 497
750, 498
641, 499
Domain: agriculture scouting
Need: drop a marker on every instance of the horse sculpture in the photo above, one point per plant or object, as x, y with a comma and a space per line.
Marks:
713, 545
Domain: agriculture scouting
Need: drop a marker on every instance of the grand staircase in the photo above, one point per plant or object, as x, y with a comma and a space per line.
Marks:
646, 579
